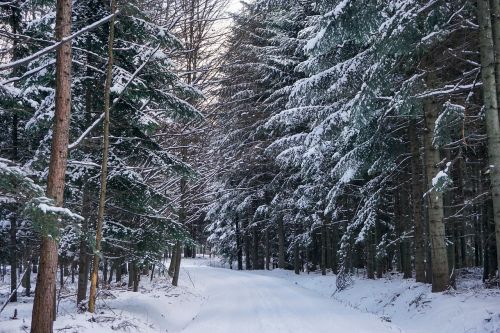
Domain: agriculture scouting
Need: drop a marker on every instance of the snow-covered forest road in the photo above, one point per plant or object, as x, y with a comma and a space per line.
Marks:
240, 302
210, 299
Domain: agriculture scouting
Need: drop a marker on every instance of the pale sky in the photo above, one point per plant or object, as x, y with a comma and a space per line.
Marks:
234, 6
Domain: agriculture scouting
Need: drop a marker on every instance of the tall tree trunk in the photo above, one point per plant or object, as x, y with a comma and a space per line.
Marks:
268, 249
61, 273
113, 268
130, 275
334, 242
119, 270
13, 257
255, 249
296, 258
178, 255
239, 249
104, 272
405, 246
370, 255
323, 248
136, 276
440, 277
329, 246
104, 166
27, 279
45, 291
495, 29
173, 258
281, 244
416, 201
379, 259
491, 107
15, 24
83, 258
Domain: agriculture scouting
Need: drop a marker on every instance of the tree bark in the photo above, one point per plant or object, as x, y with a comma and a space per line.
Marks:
440, 277
43, 306
104, 167
491, 107
175, 279
416, 201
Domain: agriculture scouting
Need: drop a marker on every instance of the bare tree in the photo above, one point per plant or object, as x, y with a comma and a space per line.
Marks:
104, 167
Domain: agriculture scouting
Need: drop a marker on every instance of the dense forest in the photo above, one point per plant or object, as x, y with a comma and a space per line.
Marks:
333, 136
360, 135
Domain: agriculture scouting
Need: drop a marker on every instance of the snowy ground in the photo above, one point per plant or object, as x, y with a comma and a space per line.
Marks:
211, 299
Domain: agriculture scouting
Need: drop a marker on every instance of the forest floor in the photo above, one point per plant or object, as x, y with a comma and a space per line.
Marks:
211, 299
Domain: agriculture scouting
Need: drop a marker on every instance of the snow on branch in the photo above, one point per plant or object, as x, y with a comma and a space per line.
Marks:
115, 101
56, 45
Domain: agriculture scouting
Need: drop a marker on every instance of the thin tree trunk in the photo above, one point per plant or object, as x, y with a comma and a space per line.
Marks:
83, 258
131, 274
26, 283
119, 270
136, 276
104, 167
268, 249
13, 258
15, 24
61, 273
45, 291
281, 244
323, 248
329, 247
491, 107
246, 242
370, 255
405, 246
255, 249
440, 277
334, 241
113, 268
239, 249
83, 262
104, 272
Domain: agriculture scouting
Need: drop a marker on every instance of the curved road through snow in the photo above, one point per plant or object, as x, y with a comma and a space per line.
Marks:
243, 302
